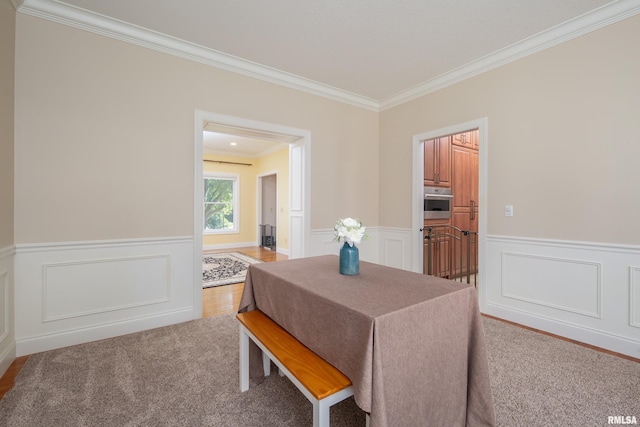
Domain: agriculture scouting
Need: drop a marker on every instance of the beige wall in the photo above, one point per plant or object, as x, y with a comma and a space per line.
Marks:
104, 138
563, 140
102, 125
7, 46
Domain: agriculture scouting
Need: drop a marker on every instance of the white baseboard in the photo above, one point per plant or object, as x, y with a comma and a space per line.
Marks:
73, 292
229, 246
7, 357
65, 338
597, 338
241, 245
282, 251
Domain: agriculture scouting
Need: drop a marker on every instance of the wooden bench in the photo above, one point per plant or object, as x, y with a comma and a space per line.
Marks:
319, 381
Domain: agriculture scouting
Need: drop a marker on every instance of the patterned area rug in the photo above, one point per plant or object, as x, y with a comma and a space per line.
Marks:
225, 268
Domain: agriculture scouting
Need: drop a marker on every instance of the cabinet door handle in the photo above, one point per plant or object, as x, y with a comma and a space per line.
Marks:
437, 178
473, 209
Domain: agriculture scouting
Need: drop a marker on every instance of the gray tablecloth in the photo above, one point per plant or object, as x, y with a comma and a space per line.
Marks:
412, 345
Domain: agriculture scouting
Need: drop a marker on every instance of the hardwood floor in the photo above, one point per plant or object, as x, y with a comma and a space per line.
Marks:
215, 301
225, 299
7, 379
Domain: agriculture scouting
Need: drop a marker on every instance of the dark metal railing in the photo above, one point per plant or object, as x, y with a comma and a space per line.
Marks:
451, 253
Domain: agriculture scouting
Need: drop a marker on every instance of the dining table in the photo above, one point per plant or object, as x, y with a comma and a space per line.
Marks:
412, 345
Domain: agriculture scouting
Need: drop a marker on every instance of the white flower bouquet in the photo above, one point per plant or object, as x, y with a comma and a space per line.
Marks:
350, 230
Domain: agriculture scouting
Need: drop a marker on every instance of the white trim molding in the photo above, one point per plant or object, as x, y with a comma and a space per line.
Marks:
100, 24
634, 296
106, 26
580, 290
73, 292
581, 25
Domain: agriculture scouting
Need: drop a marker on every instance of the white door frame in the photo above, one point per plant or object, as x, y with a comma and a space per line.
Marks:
299, 188
417, 192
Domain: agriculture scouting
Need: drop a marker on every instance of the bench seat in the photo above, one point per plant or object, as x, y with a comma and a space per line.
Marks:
321, 383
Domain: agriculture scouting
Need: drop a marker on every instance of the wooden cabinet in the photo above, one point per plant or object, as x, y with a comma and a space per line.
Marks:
467, 139
465, 178
437, 162
464, 215
440, 246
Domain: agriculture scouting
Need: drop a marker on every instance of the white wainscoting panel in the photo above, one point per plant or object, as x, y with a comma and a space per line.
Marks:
322, 243
70, 293
395, 247
383, 245
7, 339
543, 280
296, 236
583, 291
74, 289
393, 253
5, 303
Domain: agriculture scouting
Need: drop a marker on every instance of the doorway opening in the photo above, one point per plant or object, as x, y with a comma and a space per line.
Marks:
268, 210
450, 247
298, 141
452, 160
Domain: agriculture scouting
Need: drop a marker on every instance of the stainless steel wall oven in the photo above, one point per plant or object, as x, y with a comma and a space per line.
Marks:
438, 202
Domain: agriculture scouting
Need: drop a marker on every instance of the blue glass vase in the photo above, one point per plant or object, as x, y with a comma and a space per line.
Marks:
349, 260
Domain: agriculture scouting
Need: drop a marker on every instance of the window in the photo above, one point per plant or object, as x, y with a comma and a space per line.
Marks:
221, 204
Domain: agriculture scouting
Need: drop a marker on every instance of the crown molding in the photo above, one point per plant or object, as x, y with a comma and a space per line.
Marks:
72, 16
16, 3
586, 23
83, 19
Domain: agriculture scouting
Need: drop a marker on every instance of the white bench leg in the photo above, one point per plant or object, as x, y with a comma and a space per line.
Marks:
321, 413
244, 360
266, 364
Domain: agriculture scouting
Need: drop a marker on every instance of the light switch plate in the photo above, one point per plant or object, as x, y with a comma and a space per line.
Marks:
508, 210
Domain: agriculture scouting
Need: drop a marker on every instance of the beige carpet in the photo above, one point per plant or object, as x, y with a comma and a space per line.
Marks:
187, 375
